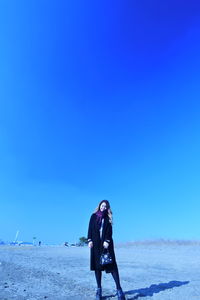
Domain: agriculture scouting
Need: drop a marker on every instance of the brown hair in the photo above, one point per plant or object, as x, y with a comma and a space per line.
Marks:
110, 216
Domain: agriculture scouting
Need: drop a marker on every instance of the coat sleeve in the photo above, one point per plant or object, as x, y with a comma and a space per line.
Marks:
108, 233
89, 236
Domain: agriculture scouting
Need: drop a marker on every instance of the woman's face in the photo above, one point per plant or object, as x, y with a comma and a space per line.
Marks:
103, 206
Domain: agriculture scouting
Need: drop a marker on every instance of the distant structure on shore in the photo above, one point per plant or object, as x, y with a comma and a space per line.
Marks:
82, 242
19, 243
16, 237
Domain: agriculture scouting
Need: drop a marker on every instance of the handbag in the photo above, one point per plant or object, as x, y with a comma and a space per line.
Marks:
105, 258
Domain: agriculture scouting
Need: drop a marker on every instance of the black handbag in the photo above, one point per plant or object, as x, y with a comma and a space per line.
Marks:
105, 258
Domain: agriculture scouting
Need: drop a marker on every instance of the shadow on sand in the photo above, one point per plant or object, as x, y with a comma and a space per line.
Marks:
149, 291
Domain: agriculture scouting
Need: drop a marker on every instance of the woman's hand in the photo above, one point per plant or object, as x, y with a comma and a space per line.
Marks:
105, 245
90, 244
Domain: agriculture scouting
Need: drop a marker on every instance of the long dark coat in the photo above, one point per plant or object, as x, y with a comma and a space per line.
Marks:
96, 250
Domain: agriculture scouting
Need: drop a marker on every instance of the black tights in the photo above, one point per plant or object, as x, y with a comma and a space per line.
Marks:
98, 278
115, 275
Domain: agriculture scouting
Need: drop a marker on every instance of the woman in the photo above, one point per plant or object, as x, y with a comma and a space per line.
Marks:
100, 238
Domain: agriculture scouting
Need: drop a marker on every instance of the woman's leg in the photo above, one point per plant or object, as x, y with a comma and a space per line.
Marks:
120, 293
115, 275
98, 278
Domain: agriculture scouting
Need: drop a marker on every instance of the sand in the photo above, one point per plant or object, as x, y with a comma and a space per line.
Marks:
150, 271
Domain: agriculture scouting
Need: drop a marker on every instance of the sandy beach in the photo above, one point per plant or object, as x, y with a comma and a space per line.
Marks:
156, 271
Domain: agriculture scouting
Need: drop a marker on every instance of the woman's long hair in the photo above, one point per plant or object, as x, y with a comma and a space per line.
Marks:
110, 215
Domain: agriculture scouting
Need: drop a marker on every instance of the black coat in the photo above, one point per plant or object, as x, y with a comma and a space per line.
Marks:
96, 250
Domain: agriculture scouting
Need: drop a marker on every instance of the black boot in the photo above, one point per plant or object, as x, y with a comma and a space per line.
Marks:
120, 295
99, 294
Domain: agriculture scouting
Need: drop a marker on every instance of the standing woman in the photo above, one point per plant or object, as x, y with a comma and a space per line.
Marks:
100, 238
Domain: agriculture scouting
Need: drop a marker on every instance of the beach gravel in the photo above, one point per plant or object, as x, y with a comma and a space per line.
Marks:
150, 271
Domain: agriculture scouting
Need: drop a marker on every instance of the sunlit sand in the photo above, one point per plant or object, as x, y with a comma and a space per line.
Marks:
154, 270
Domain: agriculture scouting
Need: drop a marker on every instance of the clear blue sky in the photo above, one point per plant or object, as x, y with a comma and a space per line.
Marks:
99, 101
